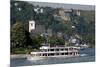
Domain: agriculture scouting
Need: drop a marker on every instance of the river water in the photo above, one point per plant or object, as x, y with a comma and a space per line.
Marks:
89, 57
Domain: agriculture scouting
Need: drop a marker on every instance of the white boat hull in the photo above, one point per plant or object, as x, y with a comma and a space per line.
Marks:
46, 57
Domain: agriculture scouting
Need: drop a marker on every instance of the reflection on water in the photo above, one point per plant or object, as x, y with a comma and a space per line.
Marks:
88, 58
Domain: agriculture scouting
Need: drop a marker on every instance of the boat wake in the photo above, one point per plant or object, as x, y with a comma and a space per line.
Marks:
83, 54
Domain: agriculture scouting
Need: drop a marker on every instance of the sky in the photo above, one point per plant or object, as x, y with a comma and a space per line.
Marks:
65, 6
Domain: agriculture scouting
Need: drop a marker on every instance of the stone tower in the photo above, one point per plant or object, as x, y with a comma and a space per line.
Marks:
31, 25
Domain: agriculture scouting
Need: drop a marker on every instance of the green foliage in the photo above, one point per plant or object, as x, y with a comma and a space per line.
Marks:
18, 37
56, 41
21, 12
19, 50
89, 39
36, 41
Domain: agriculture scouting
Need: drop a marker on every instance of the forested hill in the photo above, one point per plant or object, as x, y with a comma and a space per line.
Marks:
84, 24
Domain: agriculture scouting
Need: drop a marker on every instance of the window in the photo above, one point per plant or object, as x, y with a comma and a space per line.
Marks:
57, 49
45, 54
57, 53
31, 24
66, 48
70, 53
52, 54
52, 50
48, 49
66, 53
70, 48
48, 54
62, 49
62, 53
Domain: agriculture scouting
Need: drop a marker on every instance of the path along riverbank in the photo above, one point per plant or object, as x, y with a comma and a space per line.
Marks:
19, 56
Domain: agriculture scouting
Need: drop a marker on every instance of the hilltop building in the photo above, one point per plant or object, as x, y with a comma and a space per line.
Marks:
38, 10
65, 14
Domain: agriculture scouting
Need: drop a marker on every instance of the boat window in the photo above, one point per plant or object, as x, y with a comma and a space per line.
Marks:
70, 48
45, 54
48, 54
75, 48
41, 54
66, 53
57, 49
62, 49
66, 48
62, 53
57, 53
48, 49
52, 54
70, 53
52, 50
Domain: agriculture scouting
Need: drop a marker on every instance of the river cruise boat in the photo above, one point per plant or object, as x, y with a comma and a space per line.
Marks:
57, 51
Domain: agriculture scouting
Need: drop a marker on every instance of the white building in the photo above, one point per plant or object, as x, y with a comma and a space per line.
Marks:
38, 10
31, 25
41, 10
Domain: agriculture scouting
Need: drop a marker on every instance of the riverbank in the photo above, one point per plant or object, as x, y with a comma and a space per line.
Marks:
19, 56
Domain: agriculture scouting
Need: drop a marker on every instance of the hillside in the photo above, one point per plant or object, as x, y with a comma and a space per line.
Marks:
84, 24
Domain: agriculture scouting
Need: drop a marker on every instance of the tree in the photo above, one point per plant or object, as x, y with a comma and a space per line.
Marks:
56, 41
18, 37
60, 41
36, 41
52, 42
23, 11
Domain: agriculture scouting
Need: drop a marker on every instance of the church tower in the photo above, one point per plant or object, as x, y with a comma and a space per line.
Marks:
31, 25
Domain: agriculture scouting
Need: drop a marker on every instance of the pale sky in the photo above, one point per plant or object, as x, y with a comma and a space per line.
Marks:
65, 6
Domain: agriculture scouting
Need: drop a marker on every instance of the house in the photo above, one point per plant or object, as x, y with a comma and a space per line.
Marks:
38, 10
38, 29
35, 29
65, 14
